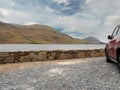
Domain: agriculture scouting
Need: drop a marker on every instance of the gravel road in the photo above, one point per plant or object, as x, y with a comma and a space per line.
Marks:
82, 74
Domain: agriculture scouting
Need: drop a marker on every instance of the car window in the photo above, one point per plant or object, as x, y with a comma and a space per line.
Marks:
115, 30
118, 32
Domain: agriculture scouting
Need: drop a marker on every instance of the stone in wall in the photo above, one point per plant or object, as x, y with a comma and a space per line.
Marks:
94, 53
102, 52
51, 55
87, 53
4, 54
33, 56
8, 60
58, 53
81, 54
1, 60
16, 57
24, 59
97, 52
12, 53
42, 56
75, 54
65, 55
24, 53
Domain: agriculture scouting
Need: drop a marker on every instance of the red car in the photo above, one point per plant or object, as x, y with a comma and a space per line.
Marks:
112, 48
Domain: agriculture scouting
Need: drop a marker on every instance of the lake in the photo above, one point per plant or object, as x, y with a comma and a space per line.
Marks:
47, 47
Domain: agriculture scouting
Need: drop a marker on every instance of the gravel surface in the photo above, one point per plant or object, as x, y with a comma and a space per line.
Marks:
82, 74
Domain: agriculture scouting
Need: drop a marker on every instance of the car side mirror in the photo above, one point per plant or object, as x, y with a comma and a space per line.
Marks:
110, 37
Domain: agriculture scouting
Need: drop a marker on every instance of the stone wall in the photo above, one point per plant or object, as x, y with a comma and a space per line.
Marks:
28, 56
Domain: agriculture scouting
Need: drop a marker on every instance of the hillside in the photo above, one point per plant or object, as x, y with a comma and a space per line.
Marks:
93, 40
33, 34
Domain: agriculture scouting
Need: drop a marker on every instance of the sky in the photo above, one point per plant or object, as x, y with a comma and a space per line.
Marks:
77, 18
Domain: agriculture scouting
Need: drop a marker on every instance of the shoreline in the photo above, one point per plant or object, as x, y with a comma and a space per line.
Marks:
48, 47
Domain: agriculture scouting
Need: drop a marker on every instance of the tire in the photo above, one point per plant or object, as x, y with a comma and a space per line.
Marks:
107, 57
118, 59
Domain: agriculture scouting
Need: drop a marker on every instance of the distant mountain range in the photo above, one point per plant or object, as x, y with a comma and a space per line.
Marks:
37, 34
93, 40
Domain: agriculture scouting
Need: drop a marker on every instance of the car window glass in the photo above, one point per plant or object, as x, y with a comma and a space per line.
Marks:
118, 32
115, 31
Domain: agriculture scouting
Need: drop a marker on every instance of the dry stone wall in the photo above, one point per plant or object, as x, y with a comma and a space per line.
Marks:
29, 56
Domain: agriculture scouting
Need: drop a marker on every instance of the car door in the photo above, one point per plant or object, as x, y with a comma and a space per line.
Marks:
117, 43
112, 43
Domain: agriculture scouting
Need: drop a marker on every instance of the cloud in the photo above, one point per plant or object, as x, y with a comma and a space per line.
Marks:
30, 23
112, 20
78, 18
65, 7
89, 1
66, 2
3, 13
69, 17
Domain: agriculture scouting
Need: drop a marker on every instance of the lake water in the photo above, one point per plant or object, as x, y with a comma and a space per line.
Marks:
47, 47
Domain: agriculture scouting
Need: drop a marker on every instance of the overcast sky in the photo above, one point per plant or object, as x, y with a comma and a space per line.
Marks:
77, 18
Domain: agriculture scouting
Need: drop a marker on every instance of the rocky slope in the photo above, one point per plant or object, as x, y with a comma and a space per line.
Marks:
33, 34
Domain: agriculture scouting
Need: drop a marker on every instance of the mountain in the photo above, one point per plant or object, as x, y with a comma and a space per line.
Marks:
93, 40
33, 34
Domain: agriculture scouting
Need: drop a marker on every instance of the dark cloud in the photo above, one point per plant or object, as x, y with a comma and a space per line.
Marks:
65, 9
71, 8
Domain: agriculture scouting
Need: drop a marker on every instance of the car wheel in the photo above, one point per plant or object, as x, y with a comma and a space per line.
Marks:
118, 59
107, 57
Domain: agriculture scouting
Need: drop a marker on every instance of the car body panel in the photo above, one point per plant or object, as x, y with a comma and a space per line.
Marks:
113, 44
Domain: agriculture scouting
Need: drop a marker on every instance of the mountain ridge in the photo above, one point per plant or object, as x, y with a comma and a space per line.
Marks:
34, 34
38, 34
93, 40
